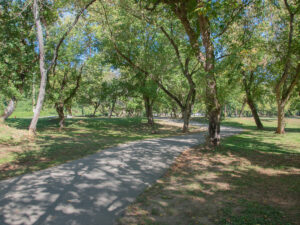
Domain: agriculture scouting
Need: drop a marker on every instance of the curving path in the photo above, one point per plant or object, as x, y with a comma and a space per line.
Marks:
95, 189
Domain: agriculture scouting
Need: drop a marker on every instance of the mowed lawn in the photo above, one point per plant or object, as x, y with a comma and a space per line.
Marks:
252, 178
82, 136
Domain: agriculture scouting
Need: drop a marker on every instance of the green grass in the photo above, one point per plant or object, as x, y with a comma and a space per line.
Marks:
251, 178
81, 137
252, 213
292, 124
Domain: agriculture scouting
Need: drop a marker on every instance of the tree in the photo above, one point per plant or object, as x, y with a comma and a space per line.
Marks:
150, 46
287, 58
17, 52
43, 70
212, 21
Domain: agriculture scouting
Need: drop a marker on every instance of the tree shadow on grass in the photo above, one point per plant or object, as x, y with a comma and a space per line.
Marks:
46, 123
92, 190
253, 127
81, 137
224, 186
247, 144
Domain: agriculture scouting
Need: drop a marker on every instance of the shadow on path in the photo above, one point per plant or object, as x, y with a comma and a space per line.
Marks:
92, 190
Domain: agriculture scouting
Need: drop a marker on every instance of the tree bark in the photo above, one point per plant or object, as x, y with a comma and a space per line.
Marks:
96, 106
212, 102
9, 109
174, 113
112, 108
243, 107
149, 110
42, 91
61, 115
225, 111
247, 86
186, 119
280, 118
254, 113
69, 109
33, 95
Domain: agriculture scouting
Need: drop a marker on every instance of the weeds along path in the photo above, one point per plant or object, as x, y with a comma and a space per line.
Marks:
95, 189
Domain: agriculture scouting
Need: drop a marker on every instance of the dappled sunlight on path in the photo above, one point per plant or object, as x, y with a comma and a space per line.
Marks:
92, 190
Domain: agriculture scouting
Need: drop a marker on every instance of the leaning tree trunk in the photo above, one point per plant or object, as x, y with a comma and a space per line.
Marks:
254, 113
96, 106
248, 82
60, 111
9, 109
42, 91
149, 110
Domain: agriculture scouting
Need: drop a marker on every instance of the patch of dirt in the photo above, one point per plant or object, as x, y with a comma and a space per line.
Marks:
203, 183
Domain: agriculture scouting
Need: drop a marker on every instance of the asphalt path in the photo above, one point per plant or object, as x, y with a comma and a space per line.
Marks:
93, 190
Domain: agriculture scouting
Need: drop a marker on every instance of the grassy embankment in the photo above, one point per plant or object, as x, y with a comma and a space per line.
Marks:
252, 178
81, 137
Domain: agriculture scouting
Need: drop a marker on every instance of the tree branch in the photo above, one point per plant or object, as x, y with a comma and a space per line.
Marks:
232, 18
55, 54
288, 55
73, 92
175, 48
295, 80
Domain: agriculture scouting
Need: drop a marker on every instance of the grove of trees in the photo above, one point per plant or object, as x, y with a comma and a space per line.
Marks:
152, 57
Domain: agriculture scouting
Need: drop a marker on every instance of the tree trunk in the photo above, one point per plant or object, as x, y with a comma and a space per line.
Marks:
254, 113
212, 103
149, 110
9, 109
69, 109
112, 108
248, 81
186, 115
95, 110
42, 91
280, 118
243, 107
82, 111
60, 111
225, 111
96, 106
211, 98
213, 111
174, 112
33, 95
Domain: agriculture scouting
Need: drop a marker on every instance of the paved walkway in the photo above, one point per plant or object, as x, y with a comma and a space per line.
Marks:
93, 190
